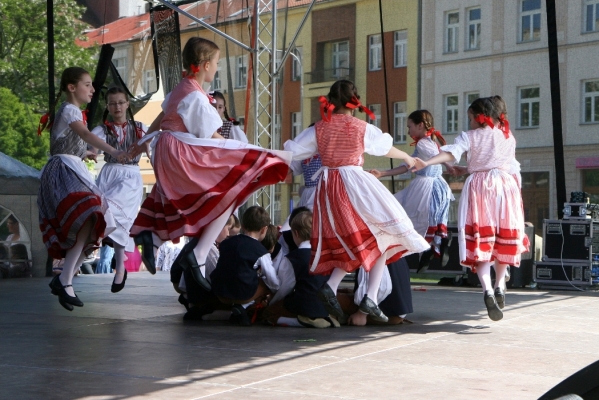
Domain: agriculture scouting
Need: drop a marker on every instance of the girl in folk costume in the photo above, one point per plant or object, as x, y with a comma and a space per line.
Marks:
120, 183
357, 222
73, 213
426, 199
490, 215
230, 128
308, 169
200, 177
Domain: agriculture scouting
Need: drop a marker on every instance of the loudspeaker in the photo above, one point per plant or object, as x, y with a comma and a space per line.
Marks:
583, 383
453, 265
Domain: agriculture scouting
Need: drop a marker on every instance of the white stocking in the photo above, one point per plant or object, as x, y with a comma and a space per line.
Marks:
500, 275
336, 278
375, 277
73, 255
483, 270
119, 257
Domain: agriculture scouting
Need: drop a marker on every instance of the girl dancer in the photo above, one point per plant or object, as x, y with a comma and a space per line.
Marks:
356, 220
72, 212
121, 184
426, 199
200, 180
490, 216
230, 128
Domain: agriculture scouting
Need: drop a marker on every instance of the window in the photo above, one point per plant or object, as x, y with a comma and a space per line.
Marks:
376, 110
468, 99
121, 66
296, 66
216, 82
240, 71
474, 18
374, 52
340, 53
150, 81
400, 49
296, 124
451, 114
530, 20
399, 122
591, 15
590, 183
591, 101
529, 105
452, 26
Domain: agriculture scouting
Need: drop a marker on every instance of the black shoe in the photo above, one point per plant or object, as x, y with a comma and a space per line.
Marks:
425, 259
66, 305
63, 296
240, 316
329, 300
189, 261
444, 248
196, 313
144, 239
53, 283
367, 306
184, 302
500, 297
117, 287
492, 308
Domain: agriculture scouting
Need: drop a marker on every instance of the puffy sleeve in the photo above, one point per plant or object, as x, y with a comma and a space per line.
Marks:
426, 149
200, 118
99, 132
459, 146
238, 134
376, 142
304, 145
71, 114
296, 167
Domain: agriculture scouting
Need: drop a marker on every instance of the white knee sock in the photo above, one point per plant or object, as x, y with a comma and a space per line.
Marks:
119, 255
286, 321
209, 235
73, 255
336, 278
483, 270
375, 277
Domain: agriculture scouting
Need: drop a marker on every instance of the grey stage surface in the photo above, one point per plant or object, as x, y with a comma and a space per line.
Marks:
134, 344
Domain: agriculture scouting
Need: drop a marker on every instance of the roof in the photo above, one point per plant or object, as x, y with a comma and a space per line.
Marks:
130, 28
11, 168
17, 178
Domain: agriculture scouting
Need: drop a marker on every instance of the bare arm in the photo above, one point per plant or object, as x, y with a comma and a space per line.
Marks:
402, 169
442, 157
402, 155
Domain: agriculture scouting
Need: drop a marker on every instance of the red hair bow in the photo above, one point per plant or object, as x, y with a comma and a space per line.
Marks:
485, 119
505, 125
326, 109
429, 133
355, 103
43, 124
194, 70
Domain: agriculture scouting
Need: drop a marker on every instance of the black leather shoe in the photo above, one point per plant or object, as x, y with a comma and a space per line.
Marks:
53, 283
492, 308
189, 261
240, 316
444, 248
329, 300
367, 306
184, 302
196, 313
147, 250
117, 287
66, 305
500, 297
425, 259
63, 296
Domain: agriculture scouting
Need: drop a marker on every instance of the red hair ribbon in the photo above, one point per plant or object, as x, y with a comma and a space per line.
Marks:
355, 103
43, 124
485, 119
505, 125
429, 133
84, 115
326, 109
194, 70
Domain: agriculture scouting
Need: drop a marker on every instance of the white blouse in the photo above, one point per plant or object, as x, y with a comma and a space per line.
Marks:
199, 116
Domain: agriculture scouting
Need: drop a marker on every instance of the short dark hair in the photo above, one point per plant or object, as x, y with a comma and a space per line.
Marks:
302, 225
254, 219
272, 235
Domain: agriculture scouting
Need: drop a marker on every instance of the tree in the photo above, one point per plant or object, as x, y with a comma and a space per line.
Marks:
18, 131
23, 47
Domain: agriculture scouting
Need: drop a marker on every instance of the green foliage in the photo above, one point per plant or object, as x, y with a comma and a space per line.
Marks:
18, 132
24, 49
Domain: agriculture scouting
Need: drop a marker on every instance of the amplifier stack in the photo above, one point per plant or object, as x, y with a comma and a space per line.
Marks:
570, 249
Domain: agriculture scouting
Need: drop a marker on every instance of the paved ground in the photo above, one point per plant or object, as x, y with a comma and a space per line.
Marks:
134, 345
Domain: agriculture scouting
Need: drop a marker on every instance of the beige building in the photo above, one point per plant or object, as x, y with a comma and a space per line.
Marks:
473, 48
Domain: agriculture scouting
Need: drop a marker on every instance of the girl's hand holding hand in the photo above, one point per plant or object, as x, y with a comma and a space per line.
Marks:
410, 162
418, 165
121, 156
91, 155
135, 150
459, 170
377, 174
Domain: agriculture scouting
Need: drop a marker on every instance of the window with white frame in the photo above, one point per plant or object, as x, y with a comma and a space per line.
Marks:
452, 27
296, 124
474, 21
376, 110
468, 99
216, 81
121, 66
529, 103
400, 122
374, 52
340, 57
451, 113
150, 81
591, 101
591, 15
296, 66
400, 49
241, 71
530, 20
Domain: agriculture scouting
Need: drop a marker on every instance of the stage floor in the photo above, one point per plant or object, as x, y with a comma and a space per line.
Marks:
135, 345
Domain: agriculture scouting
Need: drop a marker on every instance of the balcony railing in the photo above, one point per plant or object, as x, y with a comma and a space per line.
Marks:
329, 75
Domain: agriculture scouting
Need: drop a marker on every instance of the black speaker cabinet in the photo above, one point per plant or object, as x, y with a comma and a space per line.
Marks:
453, 266
567, 240
558, 273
